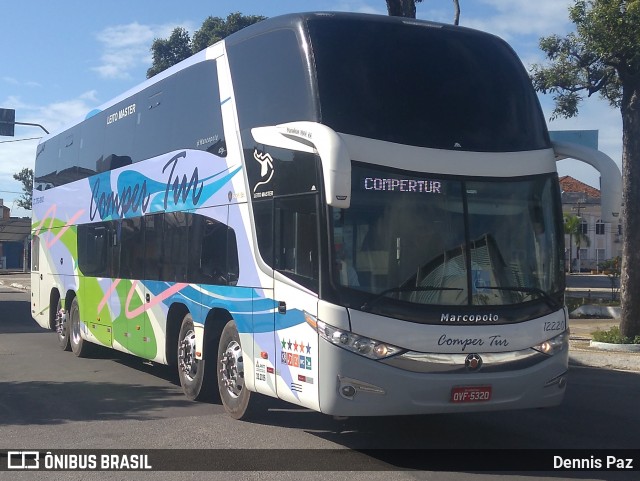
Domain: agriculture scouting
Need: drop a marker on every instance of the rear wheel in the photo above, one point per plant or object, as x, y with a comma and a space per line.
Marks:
79, 346
62, 327
237, 400
195, 382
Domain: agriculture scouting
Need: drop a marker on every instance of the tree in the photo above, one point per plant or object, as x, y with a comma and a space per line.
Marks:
603, 57
169, 51
214, 29
25, 176
402, 8
573, 227
179, 46
407, 8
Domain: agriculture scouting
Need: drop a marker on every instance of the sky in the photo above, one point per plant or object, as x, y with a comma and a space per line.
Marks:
61, 59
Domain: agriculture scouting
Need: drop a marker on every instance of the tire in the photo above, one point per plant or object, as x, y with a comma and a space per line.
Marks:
61, 326
236, 399
79, 346
195, 382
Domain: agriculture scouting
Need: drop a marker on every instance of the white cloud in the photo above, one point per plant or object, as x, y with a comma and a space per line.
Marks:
359, 7
17, 153
14, 81
14, 156
513, 18
127, 47
52, 116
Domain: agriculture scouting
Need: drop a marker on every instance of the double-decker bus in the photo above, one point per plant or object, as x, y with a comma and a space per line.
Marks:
356, 214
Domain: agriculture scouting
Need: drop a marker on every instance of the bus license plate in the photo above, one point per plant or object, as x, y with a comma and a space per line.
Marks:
470, 394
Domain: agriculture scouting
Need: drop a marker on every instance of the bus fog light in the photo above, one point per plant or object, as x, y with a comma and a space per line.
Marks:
348, 391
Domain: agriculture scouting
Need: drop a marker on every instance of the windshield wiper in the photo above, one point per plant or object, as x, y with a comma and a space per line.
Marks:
367, 305
551, 302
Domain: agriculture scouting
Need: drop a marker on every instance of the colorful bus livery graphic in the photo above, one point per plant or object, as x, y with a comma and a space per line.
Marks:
172, 182
121, 301
312, 233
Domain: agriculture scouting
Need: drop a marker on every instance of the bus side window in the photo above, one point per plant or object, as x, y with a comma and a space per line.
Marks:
296, 239
132, 255
153, 237
212, 251
233, 263
175, 246
263, 218
213, 263
93, 248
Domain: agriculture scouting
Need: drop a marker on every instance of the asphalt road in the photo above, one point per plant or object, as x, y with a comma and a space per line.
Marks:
51, 400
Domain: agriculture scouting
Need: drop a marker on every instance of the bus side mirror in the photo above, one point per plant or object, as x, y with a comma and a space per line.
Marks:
310, 137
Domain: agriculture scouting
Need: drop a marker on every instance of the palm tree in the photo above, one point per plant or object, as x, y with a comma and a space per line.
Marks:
573, 227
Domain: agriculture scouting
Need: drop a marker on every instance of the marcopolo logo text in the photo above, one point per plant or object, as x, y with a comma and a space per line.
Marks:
446, 317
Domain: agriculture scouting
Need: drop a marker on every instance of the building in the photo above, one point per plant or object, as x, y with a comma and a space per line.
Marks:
605, 238
14, 240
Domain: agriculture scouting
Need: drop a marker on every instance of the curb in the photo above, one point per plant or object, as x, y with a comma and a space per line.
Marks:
607, 346
583, 354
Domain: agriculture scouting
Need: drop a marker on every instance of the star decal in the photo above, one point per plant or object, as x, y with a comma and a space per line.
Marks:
289, 344
308, 348
295, 346
284, 343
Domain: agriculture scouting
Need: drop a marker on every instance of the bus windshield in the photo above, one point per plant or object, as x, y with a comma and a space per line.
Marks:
442, 240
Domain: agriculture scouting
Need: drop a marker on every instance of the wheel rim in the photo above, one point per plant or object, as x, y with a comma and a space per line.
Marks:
75, 332
187, 356
232, 370
61, 323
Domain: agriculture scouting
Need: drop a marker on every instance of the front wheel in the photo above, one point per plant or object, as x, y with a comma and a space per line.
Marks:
237, 400
195, 382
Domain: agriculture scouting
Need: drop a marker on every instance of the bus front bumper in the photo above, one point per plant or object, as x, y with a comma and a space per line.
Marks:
352, 385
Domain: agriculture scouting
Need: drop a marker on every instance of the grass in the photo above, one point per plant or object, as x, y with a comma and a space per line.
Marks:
613, 336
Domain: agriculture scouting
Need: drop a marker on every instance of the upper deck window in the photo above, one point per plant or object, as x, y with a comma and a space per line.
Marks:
424, 85
271, 79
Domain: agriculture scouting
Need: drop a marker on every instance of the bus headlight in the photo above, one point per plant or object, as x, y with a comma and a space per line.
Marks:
554, 345
361, 345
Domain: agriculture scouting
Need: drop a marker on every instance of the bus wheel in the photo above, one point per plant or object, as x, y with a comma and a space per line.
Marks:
237, 400
62, 327
191, 370
79, 346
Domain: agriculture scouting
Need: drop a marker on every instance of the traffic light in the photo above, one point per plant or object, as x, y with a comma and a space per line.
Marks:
7, 122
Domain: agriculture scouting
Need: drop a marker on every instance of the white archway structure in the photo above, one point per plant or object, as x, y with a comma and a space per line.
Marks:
610, 177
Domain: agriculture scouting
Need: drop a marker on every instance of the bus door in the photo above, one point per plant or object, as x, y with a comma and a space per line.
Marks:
95, 259
296, 278
128, 298
38, 310
141, 339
